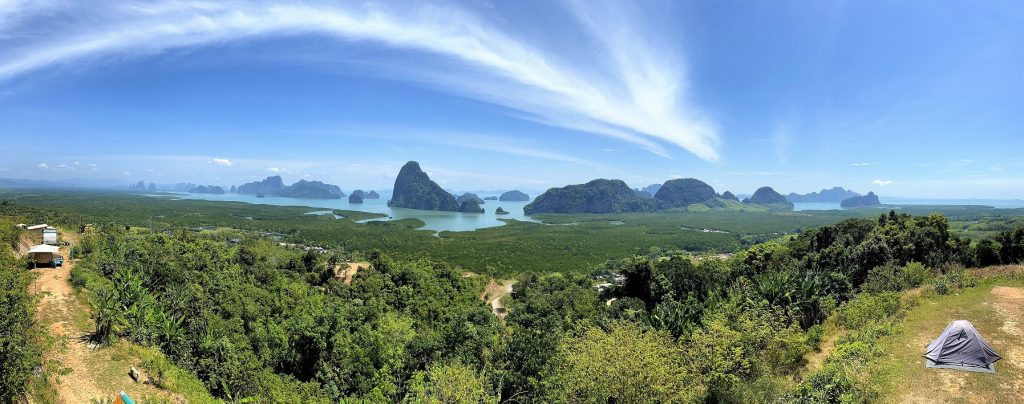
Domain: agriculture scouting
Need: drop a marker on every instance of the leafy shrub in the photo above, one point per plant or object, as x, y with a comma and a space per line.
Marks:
955, 278
593, 366
885, 278
449, 383
867, 308
959, 278
79, 278
916, 274
739, 343
832, 383
20, 352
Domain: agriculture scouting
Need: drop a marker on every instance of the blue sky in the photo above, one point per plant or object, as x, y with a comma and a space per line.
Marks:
910, 98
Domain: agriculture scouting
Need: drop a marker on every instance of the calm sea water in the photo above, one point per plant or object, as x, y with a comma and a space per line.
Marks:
437, 221
456, 221
996, 203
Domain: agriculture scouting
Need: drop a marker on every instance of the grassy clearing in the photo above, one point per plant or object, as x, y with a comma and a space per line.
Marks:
995, 306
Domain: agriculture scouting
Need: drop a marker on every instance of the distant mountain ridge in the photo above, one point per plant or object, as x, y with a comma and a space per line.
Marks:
65, 183
836, 194
274, 186
207, 189
859, 201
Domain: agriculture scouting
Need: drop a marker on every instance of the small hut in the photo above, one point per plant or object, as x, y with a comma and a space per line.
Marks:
43, 254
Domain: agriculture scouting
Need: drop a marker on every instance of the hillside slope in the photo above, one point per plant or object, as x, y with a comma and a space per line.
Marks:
995, 307
96, 373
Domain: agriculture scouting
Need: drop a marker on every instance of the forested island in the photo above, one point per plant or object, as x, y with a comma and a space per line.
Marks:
514, 196
614, 196
207, 189
860, 201
274, 186
766, 196
835, 194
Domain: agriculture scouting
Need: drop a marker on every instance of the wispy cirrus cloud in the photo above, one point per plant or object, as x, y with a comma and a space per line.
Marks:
624, 86
866, 164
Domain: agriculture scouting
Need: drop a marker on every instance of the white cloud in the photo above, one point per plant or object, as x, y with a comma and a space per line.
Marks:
866, 164
274, 169
625, 85
43, 166
222, 162
881, 183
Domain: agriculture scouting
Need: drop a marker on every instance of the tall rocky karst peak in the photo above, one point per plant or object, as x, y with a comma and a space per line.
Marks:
415, 190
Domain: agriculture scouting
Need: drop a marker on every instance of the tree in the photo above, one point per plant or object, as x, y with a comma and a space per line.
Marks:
448, 383
1011, 249
986, 253
20, 352
623, 364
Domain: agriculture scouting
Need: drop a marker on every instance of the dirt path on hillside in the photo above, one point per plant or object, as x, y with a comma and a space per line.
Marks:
57, 310
814, 359
493, 295
95, 373
1009, 304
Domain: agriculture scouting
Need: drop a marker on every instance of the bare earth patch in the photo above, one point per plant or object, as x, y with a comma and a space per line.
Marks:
494, 294
346, 272
1009, 303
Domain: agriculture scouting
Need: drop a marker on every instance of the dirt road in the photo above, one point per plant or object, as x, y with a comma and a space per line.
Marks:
95, 373
58, 310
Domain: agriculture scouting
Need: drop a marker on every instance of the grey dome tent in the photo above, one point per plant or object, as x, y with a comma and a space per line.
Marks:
961, 347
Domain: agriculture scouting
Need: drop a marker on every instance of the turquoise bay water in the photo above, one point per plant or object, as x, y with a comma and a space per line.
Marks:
456, 221
890, 202
437, 221
816, 206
